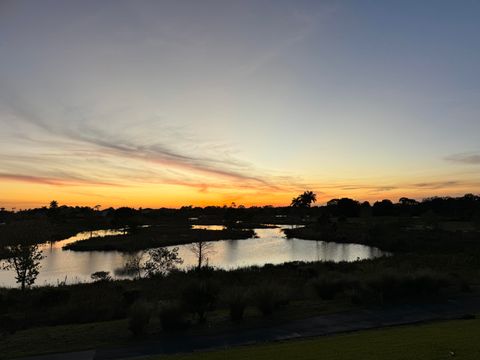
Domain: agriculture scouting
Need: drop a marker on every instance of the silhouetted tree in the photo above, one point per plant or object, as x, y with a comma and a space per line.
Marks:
234, 215
344, 207
296, 202
53, 211
124, 217
161, 261
92, 219
199, 297
25, 260
383, 208
407, 202
201, 250
4, 215
304, 200
365, 209
132, 267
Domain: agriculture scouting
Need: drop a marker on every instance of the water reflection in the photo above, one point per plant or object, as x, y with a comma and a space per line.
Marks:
208, 227
270, 247
84, 235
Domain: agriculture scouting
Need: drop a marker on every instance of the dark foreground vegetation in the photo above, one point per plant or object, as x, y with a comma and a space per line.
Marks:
435, 246
208, 301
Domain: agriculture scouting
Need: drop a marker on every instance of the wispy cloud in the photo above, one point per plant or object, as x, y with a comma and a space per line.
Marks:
54, 181
82, 151
471, 158
395, 187
437, 184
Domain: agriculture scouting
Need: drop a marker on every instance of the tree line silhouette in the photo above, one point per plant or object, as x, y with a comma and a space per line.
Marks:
466, 207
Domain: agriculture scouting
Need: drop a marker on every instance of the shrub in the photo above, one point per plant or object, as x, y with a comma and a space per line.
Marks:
8, 325
4, 303
199, 297
101, 276
237, 299
363, 295
426, 283
172, 317
139, 318
399, 287
268, 298
130, 296
308, 271
94, 303
51, 296
328, 288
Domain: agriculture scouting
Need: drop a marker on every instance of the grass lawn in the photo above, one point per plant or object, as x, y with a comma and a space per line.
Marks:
426, 342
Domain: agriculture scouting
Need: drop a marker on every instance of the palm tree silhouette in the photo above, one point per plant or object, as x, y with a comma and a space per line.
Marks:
304, 200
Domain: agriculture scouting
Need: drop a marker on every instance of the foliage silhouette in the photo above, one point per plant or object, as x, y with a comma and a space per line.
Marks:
24, 259
101, 276
304, 200
161, 261
133, 266
199, 296
201, 250
139, 317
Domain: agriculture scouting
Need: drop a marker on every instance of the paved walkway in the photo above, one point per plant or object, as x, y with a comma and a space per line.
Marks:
316, 326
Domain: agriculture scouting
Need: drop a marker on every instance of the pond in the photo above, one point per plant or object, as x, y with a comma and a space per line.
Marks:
269, 247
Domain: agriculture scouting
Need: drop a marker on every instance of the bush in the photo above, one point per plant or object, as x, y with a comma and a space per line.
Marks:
139, 318
172, 317
237, 299
51, 296
8, 325
199, 297
101, 276
363, 295
308, 271
4, 303
398, 287
268, 298
328, 288
130, 296
95, 303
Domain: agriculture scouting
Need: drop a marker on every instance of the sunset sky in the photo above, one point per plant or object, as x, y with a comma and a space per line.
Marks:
170, 103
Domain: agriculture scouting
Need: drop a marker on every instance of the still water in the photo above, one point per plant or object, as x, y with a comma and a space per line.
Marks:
269, 247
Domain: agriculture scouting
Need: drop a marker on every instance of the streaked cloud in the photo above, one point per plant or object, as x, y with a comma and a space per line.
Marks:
83, 152
438, 184
54, 181
470, 158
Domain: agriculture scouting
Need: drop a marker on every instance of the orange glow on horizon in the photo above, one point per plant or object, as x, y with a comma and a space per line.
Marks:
23, 195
